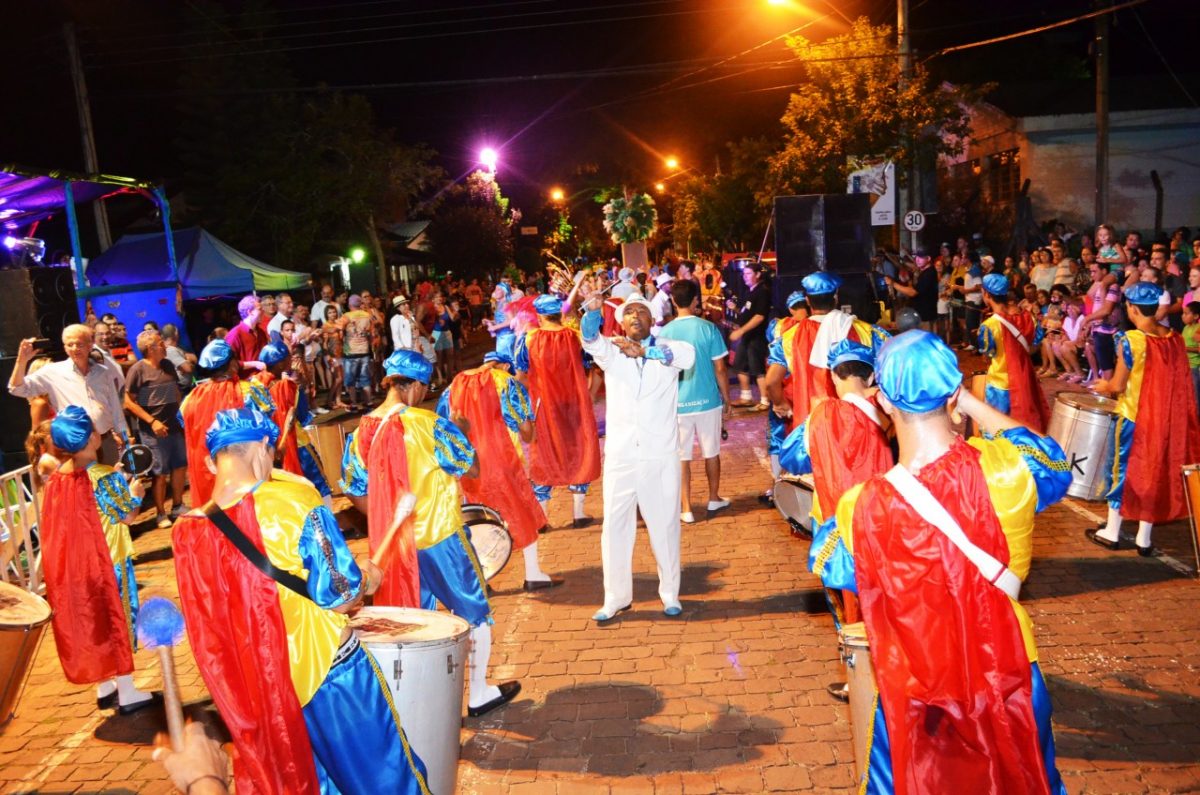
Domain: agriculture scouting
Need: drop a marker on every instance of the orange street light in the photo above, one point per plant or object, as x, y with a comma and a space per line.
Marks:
660, 187
557, 195
672, 162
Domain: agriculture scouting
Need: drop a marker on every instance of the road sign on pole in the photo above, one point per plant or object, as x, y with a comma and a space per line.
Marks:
914, 220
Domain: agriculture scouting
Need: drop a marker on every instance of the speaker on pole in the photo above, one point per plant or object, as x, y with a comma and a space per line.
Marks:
38, 302
823, 232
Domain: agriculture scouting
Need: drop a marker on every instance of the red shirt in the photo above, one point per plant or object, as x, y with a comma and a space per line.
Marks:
247, 344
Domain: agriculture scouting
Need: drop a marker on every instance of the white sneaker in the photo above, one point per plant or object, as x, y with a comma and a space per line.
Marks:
687, 518
320, 411
716, 505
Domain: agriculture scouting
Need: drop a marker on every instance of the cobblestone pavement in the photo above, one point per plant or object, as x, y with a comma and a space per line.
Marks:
729, 697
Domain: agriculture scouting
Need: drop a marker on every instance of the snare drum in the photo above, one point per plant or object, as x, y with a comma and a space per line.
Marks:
1191, 490
860, 675
794, 499
1085, 426
23, 619
138, 460
489, 536
423, 656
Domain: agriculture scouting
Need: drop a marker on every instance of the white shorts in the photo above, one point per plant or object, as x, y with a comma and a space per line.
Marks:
703, 425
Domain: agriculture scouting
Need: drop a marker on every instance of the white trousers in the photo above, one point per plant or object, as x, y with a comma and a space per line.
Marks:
652, 486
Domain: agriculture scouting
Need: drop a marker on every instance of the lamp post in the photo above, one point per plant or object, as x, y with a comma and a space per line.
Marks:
488, 157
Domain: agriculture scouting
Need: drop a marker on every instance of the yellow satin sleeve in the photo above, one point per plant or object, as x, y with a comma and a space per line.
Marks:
788, 340
116, 534
1014, 498
438, 514
1127, 402
314, 633
845, 515
997, 372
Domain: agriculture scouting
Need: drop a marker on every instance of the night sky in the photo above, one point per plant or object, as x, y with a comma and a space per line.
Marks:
603, 95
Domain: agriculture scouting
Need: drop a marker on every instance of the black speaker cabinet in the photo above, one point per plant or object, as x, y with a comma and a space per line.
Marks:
826, 232
38, 302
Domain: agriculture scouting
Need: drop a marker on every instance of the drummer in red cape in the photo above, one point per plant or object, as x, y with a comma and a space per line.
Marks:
265, 582
641, 381
939, 546
1007, 337
1157, 429
289, 410
566, 445
87, 559
218, 389
410, 450
802, 349
500, 417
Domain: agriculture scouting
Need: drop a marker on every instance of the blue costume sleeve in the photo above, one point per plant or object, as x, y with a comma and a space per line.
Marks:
590, 325
453, 451
987, 341
443, 406
1046, 462
113, 497
303, 412
333, 576
793, 453
515, 405
1038, 335
878, 338
775, 354
1124, 349
772, 324
521, 355
354, 470
658, 353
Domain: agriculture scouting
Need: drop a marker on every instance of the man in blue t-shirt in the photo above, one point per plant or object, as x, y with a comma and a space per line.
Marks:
703, 394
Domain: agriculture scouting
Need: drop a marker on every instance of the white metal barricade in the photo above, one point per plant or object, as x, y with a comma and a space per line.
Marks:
20, 516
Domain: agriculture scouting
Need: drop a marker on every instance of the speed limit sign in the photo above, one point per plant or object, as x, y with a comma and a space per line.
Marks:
914, 221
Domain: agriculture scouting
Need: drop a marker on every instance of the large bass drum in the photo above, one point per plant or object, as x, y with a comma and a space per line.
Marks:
489, 536
23, 619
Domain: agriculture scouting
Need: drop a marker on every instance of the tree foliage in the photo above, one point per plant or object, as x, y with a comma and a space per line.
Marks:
471, 232
723, 211
851, 103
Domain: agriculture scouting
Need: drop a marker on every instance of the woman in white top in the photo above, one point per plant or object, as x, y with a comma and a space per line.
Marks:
1067, 344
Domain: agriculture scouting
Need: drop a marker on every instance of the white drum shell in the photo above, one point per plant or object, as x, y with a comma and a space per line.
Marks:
794, 499
1087, 434
860, 677
426, 676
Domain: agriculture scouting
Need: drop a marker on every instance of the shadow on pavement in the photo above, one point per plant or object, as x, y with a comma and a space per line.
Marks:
1133, 725
141, 727
154, 556
1059, 577
616, 729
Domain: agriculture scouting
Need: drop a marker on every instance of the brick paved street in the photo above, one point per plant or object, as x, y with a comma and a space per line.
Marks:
730, 697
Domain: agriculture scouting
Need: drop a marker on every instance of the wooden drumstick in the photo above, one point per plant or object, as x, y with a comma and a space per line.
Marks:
404, 509
288, 421
160, 627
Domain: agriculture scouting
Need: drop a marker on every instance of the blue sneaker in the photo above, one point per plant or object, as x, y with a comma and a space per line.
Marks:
672, 610
603, 615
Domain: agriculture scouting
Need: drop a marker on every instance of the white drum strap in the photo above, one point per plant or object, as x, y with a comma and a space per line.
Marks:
1020, 337
932, 511
865, 406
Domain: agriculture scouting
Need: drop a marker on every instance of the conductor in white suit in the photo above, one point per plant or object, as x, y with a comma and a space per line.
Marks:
641, 378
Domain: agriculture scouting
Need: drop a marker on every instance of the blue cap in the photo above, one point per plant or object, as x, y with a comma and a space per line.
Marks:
216, 355
996, 284
408, 364
917, 371
547, 305
1143, 293
71, 429
850, 351
274, 353
233, 426
795, 299
821, 283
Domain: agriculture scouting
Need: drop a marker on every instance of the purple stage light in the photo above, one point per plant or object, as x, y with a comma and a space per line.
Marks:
10, 242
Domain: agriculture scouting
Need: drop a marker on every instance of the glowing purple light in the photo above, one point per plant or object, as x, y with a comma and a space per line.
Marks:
489, 158
10, 242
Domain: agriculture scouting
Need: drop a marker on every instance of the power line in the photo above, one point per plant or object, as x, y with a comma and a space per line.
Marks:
1041, 29
1166, 65
445, 34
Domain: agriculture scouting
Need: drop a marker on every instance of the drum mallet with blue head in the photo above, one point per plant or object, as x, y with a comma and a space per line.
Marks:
160, 627
404, 509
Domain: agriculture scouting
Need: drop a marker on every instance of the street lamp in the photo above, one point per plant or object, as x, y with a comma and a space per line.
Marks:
357, 255
672, 162
488, 157
557, 195
660, 186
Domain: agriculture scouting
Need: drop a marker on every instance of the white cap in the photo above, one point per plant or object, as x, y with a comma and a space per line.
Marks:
633, 300
663, 278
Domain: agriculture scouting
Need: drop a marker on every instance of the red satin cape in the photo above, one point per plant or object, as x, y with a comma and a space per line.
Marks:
810, 384
284, 394
1027, 401
502, 484
90, 628
950, 663
381, 445
239, 640
847, 448
1166, 435
566, 448
199, 410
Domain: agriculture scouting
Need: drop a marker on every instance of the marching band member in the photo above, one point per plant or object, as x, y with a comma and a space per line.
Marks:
780, 335
87, 560
298, 454
221, 391
1007, 337
500, 417
265, 581
842, 443
940, 545
1157, 428
641, 378
565, 450
407, 449
806, 359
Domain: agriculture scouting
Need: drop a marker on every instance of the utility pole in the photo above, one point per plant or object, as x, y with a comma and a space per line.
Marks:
904, 198
1101, 51
86, 132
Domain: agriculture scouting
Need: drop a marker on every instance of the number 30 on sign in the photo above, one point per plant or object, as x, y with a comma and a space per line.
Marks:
914, 221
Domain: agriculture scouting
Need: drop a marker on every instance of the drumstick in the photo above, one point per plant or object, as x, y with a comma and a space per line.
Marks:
160, 627
404, 509
288, 421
